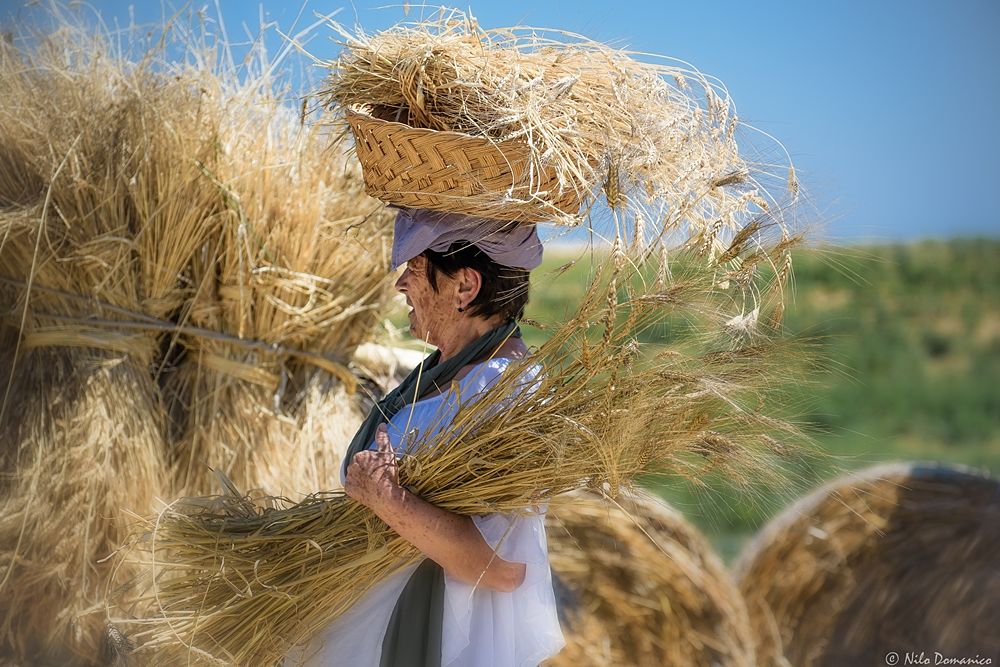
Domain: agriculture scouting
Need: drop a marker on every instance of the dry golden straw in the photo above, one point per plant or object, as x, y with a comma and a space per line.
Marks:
80, 418
185, 270
638, 585
899, 557
296, 261
285, 272
86, 444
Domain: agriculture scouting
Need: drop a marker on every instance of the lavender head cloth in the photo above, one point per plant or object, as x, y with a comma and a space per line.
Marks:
506, 243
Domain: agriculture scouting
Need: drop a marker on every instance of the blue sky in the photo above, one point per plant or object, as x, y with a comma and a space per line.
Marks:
888, 108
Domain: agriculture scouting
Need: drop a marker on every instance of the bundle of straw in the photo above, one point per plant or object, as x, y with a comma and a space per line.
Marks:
186, 270
87, 448
289, 278
900, 557
281, 272
655, 139
239, 222
80, 418
643, 587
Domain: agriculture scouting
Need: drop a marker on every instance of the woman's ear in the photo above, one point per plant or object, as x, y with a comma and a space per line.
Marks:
468, 285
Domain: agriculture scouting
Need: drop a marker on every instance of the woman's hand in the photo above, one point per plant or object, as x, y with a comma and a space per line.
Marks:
373, 475
451, 540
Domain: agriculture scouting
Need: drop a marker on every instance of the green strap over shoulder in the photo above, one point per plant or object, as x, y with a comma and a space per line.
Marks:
413, 636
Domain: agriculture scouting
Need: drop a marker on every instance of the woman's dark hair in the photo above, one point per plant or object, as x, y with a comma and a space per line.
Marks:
504, 289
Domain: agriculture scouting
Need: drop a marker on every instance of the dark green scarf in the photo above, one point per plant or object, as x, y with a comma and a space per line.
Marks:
413, 636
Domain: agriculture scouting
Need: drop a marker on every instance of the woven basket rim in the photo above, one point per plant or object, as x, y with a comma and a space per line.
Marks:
559, 204
359, 111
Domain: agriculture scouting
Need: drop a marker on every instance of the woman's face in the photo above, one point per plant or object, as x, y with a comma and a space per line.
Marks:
432, 312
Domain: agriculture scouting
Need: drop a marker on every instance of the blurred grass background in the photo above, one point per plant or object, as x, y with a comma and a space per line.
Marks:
909, 336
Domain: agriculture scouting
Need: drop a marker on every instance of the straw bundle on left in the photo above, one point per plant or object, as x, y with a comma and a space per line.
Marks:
641, 587
81, 420
282, 270
89, 448
184, 273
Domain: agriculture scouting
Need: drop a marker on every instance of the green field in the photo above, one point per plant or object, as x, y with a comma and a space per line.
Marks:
909, 336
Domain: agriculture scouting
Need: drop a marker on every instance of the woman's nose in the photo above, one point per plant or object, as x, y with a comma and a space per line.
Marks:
402, 281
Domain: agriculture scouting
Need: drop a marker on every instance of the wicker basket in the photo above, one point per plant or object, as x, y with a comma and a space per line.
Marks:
455, 172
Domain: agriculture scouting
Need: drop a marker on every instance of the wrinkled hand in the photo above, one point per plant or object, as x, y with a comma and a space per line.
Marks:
373, 475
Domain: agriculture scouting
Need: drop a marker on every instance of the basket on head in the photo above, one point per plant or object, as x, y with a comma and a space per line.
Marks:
456, 172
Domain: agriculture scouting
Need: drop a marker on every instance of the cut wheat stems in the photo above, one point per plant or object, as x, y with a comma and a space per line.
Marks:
601, 414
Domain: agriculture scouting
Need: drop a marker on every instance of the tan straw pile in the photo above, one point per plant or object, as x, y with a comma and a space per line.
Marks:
185, 271
900, 557
81, 423
83, 446
638, 585
298, 262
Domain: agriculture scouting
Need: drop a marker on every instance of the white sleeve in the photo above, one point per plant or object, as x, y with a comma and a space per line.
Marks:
484, 628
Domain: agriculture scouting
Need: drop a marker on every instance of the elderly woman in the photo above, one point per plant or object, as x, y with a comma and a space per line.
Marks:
482, 596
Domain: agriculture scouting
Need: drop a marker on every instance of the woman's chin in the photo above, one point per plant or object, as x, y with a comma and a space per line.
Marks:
414, 328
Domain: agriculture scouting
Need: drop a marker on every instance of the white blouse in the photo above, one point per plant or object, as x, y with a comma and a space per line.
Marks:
481, 627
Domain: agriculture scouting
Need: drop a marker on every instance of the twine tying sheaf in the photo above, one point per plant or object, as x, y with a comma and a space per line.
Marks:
105, 334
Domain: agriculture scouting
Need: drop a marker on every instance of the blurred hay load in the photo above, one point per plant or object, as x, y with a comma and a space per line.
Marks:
81, 422
899, 557
640, 586
185, 271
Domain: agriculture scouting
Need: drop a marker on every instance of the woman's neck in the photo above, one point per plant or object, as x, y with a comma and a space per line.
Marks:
454, 341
